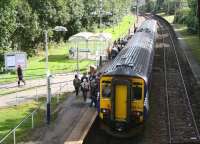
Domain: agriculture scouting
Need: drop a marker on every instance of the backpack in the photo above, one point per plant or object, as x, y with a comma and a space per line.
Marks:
85, 85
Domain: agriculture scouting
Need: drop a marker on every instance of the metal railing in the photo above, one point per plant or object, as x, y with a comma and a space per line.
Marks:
13, 131
32, 114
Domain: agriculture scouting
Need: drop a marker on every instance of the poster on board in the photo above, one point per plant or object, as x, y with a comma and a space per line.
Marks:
13, 59
10, 59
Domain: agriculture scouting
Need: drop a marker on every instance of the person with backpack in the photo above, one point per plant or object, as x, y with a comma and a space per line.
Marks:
76, 83
84, 77
84, 88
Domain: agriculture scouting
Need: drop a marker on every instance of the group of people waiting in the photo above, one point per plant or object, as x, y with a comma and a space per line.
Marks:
118, 45
89, 85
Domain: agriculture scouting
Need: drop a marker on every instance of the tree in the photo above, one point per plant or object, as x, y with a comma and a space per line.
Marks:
7, 24
27, 28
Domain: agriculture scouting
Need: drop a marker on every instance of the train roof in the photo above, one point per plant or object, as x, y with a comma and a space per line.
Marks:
149, 25
136, 58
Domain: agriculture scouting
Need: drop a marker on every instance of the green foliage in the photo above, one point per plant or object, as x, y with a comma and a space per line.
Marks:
192, 24
169, 6
7, 24
22, 22
185, 12
188, 16
181, 15
149, 6
26, 33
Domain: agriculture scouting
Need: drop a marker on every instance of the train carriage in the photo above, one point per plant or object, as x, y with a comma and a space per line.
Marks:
124, 86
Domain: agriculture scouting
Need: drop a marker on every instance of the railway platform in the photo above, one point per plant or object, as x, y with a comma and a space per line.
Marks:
74, 120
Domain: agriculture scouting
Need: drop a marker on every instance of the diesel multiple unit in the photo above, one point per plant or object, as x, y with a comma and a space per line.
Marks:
124, 85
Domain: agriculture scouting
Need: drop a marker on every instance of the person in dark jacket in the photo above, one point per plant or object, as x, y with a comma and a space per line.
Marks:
76, 83
20, 75
93, 91
84, 77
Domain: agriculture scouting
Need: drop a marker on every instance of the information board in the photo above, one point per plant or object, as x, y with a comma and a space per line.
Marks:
13, 59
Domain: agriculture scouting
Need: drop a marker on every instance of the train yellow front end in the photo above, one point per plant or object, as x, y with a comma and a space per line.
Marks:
122, 103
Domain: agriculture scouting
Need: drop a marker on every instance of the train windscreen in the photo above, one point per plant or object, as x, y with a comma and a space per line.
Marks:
106, 89
136, 93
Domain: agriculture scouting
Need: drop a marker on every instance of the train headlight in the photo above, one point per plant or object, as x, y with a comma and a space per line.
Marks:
136, 113
105, 111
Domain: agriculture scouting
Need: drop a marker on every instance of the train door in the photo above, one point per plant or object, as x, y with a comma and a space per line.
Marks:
121, 103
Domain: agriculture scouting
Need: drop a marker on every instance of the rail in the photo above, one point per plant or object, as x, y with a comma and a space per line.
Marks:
184, 85
188, 100
166, 88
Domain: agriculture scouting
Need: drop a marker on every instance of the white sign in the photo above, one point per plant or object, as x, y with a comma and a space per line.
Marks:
10, 59
13, 59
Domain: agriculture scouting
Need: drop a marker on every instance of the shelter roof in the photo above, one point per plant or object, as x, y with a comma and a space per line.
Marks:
81, 36
91, 36
101, 37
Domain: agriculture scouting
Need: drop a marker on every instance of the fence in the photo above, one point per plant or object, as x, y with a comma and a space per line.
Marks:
13, 131
37, 116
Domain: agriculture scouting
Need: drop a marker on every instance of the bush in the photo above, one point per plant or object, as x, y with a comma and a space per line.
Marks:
169, 7
186, 16
192, 24
149, 7
181, 15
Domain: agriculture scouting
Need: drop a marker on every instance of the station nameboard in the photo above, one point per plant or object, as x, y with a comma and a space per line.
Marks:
13, 59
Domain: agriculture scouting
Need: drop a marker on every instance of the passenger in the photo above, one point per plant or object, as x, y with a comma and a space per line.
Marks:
20, 75
71, 51
84, 77
76, 83
93, 90
84, 88
135, 29
91, 77
114, 52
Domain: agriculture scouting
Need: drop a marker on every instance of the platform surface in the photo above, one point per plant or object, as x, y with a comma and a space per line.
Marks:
74, 121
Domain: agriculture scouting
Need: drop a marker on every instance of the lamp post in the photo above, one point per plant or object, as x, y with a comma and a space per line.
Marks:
100, 12
48, 75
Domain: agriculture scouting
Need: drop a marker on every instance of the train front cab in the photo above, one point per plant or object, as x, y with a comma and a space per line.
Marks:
121, 103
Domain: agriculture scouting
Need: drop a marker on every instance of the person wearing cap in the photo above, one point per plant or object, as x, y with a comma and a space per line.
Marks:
20, 75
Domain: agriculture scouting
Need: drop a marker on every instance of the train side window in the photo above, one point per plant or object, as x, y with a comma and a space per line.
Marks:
106, 90
136, 93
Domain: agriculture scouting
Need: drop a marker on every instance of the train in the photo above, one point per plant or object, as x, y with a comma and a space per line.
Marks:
125, 84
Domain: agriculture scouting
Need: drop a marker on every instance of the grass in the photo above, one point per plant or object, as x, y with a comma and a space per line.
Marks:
58, 62
169, 18
58, 55
121, 29
12, 116
192, 40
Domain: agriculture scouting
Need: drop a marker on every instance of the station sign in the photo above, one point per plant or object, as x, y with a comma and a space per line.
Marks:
13, 59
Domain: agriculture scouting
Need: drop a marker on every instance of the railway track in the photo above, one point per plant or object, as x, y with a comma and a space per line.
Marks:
182, 126
173, 102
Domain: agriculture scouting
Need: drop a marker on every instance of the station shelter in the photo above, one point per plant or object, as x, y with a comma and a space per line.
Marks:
87, 45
